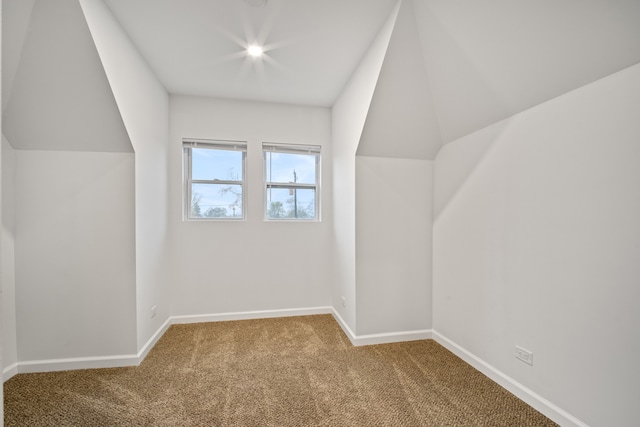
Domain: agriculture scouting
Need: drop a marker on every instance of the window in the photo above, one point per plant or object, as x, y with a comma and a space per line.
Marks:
292, 181
214, 179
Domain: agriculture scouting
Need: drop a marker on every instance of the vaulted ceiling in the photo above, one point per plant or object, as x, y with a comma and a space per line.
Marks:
55, 93
452, 66
488, 60
197, 47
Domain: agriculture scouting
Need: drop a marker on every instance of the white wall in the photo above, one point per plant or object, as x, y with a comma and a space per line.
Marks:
1, 254
7, 265
75, 254
538, 245
144, 106
401, 120
348, 116
393, 244
223, 266
488, 60
59, 84
17, 15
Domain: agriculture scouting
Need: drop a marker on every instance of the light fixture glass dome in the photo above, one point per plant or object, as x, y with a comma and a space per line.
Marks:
255, 51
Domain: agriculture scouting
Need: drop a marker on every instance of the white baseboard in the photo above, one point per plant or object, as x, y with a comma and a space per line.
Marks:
530, 397
533, 399
135, 359
67, 364
153, 340
247, 315
9, 371
390, 337
384, 338
347, 330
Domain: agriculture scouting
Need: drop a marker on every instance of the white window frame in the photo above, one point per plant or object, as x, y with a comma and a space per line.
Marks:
272, 147
187, 145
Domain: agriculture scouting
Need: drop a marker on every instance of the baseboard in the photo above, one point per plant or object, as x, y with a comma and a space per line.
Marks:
247, 315
533, 399
527, 395
391, 337
153, 340
9, 371
66, 364
345, 328
69, 364
384, 338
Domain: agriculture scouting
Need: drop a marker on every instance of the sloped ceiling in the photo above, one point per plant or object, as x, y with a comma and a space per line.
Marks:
401, 121
14, 31
198, 47
488, 60
60, 98
483, 62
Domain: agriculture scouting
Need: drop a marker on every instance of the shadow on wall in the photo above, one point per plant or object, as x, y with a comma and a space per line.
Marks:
459, 172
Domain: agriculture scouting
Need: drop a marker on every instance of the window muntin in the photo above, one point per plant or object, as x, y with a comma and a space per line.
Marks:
292, 181
214, 177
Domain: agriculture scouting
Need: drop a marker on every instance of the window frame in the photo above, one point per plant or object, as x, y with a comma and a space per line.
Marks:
303, 149
187, 163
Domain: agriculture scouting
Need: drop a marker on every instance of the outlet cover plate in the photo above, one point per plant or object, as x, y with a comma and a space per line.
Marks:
524, 355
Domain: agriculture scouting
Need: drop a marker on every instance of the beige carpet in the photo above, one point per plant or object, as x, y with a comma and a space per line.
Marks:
297, 371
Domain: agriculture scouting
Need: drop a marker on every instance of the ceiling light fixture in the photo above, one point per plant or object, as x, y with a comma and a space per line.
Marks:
255, 51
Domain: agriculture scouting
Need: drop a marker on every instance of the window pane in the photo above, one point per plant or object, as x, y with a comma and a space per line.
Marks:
291, 203
209, 164
284, 167
216, 201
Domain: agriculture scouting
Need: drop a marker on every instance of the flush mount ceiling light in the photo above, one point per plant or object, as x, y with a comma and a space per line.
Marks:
254, 51
256, 3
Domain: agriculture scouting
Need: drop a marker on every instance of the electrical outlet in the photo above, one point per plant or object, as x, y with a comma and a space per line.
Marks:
154, 311
343, 301
524, 355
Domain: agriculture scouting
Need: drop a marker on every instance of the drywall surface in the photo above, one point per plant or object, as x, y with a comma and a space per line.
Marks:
7, 257
74, 254
1, 252
401, 120
492, 59
538, 244
251, 265
16, 18
348, 116
393, 244
144, 106
58, 83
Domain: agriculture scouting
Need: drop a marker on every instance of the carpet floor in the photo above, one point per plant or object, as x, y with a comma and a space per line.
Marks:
296, 371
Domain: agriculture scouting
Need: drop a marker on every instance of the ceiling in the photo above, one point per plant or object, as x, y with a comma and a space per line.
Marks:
55, 93
452, 67
488, 60
198, 47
